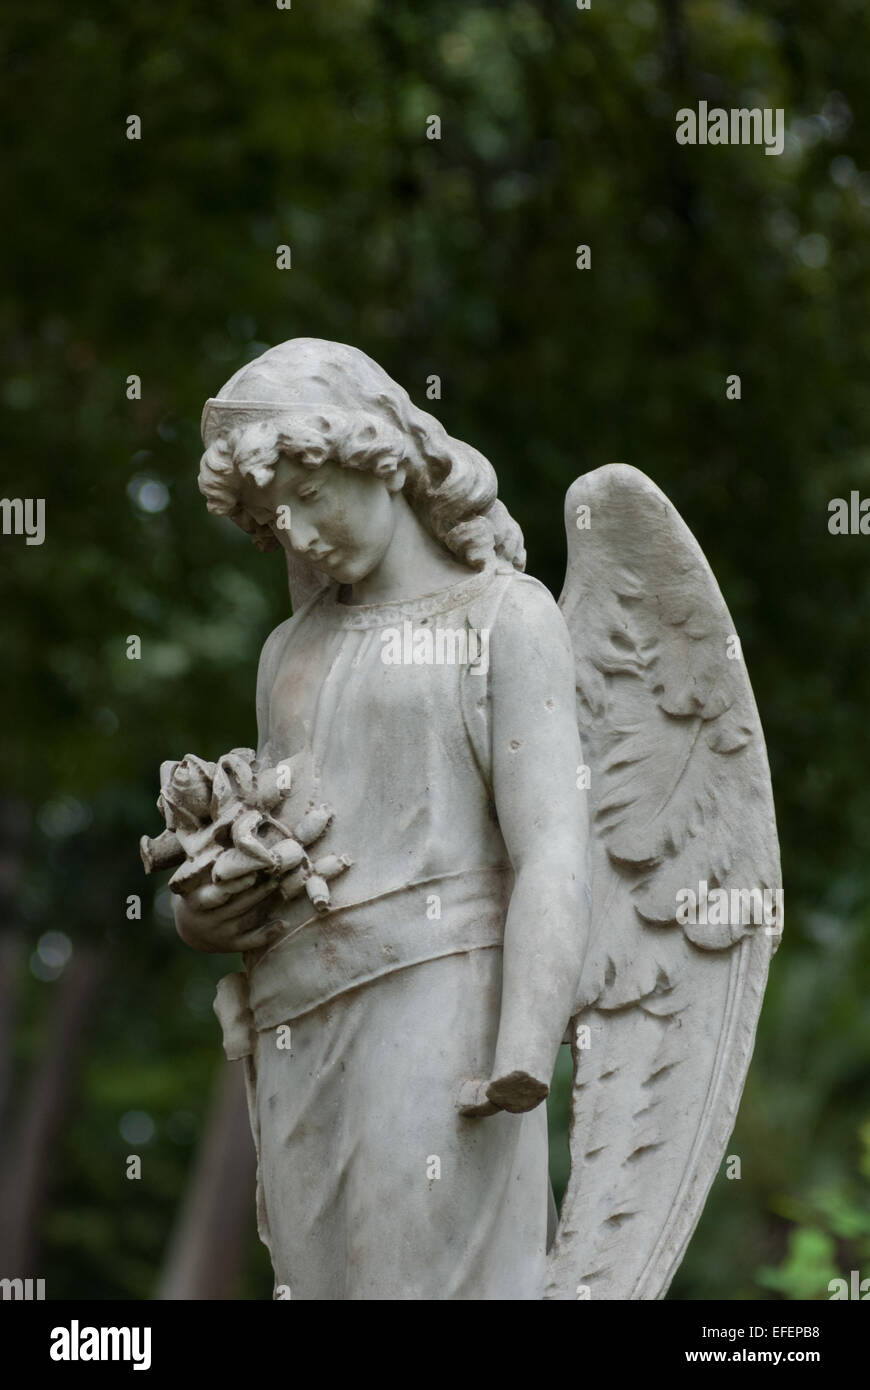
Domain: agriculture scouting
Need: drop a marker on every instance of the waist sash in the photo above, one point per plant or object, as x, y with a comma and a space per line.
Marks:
350, 946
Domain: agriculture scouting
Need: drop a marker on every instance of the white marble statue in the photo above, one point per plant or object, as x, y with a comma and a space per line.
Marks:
478, 824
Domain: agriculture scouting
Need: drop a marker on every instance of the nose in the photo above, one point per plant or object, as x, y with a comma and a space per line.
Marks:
302, 535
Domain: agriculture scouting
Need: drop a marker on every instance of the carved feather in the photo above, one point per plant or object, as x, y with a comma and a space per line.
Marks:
680, 797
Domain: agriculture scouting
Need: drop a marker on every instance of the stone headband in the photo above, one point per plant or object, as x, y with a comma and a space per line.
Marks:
250, 410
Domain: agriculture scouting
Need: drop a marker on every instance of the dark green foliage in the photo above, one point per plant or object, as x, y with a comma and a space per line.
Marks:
262, 127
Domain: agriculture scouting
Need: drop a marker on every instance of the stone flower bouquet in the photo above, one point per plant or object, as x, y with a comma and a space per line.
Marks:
225, 831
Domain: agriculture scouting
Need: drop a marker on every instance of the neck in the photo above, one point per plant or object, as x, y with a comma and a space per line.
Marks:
415, 564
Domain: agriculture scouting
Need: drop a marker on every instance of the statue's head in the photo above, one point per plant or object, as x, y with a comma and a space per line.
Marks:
308, 445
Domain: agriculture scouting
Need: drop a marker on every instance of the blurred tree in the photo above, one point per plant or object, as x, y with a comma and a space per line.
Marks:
206, 1253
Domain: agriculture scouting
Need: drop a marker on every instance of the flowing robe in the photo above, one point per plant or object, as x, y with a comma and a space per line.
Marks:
371, 1185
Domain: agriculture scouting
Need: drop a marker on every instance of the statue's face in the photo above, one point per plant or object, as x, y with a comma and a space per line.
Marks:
338, 520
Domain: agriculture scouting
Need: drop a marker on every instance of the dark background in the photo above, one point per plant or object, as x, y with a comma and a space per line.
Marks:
157, 257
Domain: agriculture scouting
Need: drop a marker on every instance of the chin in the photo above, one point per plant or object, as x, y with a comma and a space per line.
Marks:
347, 572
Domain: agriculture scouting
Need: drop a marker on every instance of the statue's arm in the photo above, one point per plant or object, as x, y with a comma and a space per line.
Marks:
267, 671
236, 925
543, 818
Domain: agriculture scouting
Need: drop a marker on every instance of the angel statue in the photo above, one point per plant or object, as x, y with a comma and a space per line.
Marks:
478, 825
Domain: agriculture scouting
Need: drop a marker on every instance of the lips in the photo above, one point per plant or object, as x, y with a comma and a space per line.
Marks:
323, 558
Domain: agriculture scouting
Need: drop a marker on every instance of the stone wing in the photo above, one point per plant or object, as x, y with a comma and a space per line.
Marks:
685, 879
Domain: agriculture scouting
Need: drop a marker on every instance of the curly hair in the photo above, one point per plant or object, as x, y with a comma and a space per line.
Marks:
450, 486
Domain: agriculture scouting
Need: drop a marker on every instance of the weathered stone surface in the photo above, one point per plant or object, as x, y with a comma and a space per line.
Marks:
477, 824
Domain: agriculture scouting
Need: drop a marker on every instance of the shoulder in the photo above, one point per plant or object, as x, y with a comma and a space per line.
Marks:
278, 640
274, 646
528, 620
532, 681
